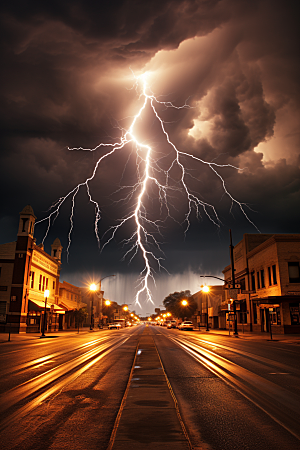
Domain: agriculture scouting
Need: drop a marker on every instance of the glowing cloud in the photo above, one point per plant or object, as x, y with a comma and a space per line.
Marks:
150, 171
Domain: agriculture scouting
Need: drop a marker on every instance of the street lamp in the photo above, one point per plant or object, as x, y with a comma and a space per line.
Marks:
206, 290
101, 314
93, 288
46, 296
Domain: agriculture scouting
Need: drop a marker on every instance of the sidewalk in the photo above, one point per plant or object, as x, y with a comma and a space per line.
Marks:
14, 337
291, 338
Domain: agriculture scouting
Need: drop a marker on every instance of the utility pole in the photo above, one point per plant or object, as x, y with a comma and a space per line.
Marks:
233, 284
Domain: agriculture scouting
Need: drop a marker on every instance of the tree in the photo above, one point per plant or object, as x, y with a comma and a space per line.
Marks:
80, 316
173, 304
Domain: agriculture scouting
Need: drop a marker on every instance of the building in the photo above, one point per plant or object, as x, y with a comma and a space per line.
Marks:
26, 272
209, 303
70, 299
267, 271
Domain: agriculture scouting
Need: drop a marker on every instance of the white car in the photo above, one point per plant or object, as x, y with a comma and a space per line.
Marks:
114, 326
186, 326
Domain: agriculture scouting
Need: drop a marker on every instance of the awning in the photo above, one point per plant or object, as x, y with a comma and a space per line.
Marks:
38, 305
69, 305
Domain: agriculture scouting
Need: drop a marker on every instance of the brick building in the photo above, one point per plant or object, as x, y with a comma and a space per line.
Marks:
267, 268
26, 271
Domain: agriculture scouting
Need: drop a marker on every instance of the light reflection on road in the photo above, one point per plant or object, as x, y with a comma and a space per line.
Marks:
54, 380
278, 402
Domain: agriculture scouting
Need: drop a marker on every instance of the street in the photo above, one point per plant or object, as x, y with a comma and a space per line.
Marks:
66, 392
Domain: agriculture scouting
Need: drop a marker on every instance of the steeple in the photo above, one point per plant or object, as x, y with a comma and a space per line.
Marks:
27, 221
56, 249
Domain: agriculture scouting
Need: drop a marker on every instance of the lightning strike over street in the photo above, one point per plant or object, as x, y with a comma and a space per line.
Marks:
143, 239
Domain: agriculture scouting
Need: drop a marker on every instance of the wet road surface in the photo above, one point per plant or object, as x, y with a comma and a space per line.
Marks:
66, 392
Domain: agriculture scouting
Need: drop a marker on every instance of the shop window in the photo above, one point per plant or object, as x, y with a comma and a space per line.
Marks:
262, 278
294, 311
274, 274
278, 316
294, 272
269, 276
253, 281
258, 280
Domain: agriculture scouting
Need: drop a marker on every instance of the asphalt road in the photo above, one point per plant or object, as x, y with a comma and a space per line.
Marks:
65, 392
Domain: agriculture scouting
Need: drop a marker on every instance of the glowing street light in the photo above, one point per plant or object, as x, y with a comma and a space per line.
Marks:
184, 303
107, 302
46, 296
93, 288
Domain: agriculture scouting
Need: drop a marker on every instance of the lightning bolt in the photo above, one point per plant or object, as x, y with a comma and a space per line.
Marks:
142, 239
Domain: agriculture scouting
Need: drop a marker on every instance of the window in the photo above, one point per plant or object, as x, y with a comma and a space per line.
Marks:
47, 283
242, 283
24, 220
53, 284
32, 280
274, 316
294, 311
43, 288
262, 278
253, 281
258, 280
40, 283
269, 276
294, 272
0, 271
274, 274
13, 298
21, 255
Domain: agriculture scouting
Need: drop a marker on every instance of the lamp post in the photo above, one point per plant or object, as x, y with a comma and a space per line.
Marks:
233, 284
93, 288
206, 290
46, 296
101, 305
184, 303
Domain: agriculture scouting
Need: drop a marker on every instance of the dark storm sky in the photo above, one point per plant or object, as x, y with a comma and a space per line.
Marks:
67, 81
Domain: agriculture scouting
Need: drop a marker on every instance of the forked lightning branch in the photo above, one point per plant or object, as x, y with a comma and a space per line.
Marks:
142, 239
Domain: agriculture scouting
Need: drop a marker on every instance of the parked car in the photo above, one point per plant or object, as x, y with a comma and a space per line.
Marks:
172, 324
186, 326
114, 326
